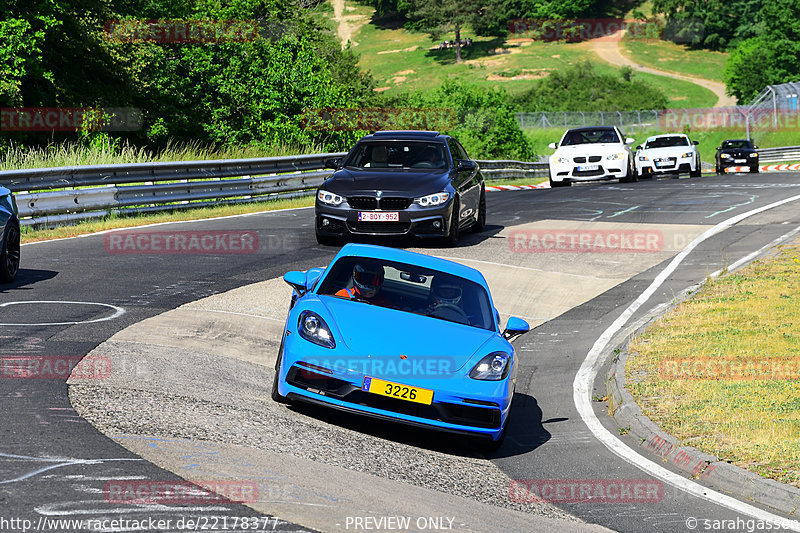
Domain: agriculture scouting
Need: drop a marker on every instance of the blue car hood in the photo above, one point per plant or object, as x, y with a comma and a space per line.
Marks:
372, 332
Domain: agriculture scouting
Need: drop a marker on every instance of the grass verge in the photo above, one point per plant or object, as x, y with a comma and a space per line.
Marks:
129, 221
721, 371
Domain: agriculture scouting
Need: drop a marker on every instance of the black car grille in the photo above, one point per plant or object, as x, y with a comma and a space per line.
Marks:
379, 227
369, 203
395, 204
592, 159
467, 415
363, 202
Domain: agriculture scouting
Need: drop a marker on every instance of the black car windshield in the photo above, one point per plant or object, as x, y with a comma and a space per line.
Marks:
737, 144
664, 142
398, 154
591, 136
409, 288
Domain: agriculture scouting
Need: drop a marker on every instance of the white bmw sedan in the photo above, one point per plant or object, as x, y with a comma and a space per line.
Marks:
671, 153
591, 153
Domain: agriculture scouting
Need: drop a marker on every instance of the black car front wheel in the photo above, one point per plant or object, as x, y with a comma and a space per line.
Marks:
451, 240
480, 223
10, 252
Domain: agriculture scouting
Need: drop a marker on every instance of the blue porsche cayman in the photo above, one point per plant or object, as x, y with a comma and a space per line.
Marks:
401, 336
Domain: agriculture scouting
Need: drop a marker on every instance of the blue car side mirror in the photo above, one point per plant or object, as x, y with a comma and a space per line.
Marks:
297, 280
515, 327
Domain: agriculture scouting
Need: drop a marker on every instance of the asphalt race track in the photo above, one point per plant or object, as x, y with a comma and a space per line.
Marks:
72, 296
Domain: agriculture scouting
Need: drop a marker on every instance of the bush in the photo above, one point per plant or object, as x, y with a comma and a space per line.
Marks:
580, 88
482, 121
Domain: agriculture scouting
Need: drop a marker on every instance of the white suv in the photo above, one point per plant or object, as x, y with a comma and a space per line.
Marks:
591, 153
668, 154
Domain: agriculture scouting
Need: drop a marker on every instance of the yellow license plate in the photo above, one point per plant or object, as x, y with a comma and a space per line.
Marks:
396, 390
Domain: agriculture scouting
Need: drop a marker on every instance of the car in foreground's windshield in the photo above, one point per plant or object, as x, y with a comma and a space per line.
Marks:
398, 154
665, 142
737, 144
589, 136
411, 289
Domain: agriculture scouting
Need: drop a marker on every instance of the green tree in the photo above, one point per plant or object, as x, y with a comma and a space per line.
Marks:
445, 16
483, 121
714, 24
771, 57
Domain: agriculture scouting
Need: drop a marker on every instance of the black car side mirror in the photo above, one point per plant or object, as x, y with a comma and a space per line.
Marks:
333, 162
464, 165
755, 147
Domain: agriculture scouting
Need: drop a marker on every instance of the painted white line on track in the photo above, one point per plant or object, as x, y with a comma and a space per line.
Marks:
118, 312
582, 388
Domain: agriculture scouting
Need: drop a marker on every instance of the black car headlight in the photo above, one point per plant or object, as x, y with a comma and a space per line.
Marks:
433, 199
314, 329
754, 154
725, 156
329, 198
493, 367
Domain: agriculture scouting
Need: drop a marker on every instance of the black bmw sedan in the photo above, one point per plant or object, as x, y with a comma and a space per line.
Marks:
416, 183
736, 153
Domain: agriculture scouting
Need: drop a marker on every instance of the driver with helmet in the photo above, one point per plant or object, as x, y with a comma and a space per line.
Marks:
446, 300
367, 284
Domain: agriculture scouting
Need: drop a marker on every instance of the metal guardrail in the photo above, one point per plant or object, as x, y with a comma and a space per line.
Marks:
783, 153
506, 170
65, 195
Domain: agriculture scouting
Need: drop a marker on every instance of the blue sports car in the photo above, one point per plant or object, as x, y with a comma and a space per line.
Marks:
401, 336
9, 236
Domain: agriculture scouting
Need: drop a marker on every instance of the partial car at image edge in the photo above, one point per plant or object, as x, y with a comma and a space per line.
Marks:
10, 244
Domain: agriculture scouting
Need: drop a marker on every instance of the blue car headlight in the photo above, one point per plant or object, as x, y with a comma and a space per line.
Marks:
493, 367
314, 329
754, 154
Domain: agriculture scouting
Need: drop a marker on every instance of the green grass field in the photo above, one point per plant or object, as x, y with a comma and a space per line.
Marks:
671, 57
402, 60
720, 372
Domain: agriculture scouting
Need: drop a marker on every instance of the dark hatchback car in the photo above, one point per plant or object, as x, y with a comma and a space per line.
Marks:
736, 153
9, 238
413, 183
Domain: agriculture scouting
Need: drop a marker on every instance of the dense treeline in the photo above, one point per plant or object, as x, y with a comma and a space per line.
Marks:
763, 37
60, 53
